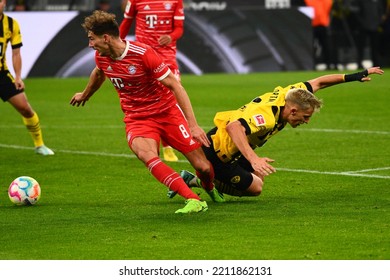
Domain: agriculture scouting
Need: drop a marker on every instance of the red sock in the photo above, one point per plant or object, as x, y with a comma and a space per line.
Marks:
207, 179
170, 178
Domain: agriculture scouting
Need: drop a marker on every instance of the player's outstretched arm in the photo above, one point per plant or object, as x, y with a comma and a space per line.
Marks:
334, 79
96, 79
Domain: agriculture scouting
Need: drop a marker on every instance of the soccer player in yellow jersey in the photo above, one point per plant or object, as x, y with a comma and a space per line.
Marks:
12, 88
239, 171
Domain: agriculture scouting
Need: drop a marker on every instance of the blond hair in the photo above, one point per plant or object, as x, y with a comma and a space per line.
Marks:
304, 99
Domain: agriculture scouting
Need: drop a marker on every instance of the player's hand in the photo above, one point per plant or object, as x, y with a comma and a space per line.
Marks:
262, 166
199, 135
164, 40
372, 70
78, 99
19, 84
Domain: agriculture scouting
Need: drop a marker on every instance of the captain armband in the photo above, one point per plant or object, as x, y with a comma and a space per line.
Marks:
355, 76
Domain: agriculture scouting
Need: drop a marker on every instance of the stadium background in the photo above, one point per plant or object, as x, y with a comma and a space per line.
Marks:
329, 201
220, 37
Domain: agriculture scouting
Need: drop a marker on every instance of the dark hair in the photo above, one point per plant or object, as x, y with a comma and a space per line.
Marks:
23, 3
100, 23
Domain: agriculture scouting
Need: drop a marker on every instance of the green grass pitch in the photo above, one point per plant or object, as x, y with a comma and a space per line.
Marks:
329, 200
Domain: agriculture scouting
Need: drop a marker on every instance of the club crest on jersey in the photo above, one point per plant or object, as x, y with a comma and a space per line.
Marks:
235, 179
168, 6
132, 69
259, 119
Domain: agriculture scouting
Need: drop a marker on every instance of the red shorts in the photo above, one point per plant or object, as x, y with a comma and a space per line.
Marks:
170, 126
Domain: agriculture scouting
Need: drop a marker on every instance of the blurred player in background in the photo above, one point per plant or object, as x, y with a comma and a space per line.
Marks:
12, 88
369, 16
104, 5
321, 31
159, 24
155, 104
21, 6
239, 171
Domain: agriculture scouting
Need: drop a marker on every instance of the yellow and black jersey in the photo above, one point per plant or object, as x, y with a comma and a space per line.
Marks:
260, 117
9, 32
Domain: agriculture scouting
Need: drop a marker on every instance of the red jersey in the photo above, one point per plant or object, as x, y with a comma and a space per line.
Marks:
156, 18
135, 76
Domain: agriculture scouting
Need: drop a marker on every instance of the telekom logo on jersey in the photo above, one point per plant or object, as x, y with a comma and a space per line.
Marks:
151, 21
117, 82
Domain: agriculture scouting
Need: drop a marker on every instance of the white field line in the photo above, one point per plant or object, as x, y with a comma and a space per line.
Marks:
357, 173
347, 131
368, 170
349, 173
72, 151
206, 128
104, 126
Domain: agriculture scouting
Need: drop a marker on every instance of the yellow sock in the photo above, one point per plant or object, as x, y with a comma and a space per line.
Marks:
34, 128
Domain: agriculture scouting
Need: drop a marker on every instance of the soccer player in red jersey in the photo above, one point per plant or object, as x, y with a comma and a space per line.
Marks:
159, 24
154, 103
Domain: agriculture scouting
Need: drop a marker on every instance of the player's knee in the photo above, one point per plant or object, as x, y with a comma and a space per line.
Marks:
256, 191
26, 112
203, 167
256, 187
200, 163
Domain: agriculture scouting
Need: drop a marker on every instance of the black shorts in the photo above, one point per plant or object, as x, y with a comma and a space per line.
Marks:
237, 173
7, 86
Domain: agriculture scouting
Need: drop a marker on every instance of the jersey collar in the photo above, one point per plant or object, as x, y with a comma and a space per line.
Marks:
125, 51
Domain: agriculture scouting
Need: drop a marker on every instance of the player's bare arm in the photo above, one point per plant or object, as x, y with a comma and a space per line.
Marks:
96, 79
185, 104
260, 164
334, 79
17, 65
